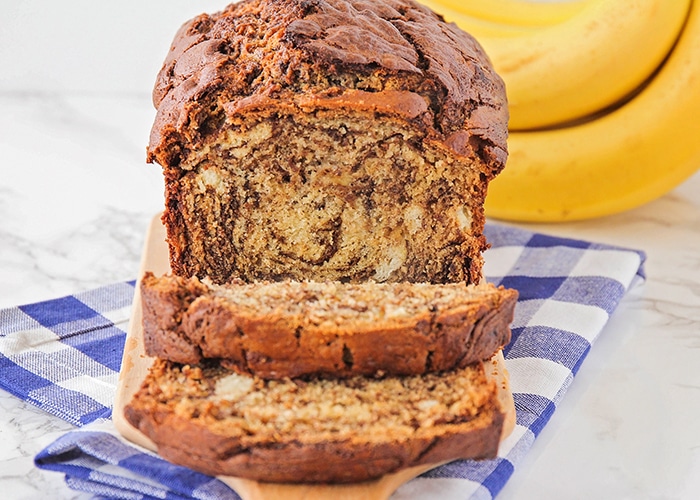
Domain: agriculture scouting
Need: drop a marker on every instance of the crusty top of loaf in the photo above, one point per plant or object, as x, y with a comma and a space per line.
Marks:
394, 56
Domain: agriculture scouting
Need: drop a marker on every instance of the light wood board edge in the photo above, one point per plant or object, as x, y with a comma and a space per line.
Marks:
135, 363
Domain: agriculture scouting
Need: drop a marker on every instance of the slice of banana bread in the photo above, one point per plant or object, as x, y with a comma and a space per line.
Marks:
292, 329
348, 430
342, 140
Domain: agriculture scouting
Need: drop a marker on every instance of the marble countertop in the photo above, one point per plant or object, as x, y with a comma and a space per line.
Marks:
76, 197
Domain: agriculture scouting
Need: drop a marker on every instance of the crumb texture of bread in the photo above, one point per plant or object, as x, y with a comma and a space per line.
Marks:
340, 140
223, 423
294, 329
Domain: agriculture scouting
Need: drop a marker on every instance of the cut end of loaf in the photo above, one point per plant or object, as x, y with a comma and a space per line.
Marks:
326, 196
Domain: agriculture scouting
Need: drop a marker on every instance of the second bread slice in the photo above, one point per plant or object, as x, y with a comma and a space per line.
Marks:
293, 329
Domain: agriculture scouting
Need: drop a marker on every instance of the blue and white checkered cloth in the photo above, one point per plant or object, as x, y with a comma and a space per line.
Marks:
63, 355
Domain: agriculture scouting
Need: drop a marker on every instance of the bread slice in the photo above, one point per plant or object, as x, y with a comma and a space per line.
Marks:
294, 329
340, 140
319, 431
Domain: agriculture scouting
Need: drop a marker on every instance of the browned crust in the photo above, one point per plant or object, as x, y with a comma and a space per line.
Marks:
183, 323
163, 306
283, 458
329, 462
398, 42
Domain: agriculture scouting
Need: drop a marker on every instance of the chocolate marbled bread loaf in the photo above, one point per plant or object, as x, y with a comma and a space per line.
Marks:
293, 329
349, 430
341, 140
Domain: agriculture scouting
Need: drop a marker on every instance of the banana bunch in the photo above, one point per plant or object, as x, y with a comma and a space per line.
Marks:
604, 97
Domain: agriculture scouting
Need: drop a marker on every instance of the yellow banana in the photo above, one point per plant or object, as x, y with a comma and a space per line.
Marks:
570, 70
516, 12
618, 161
476, 26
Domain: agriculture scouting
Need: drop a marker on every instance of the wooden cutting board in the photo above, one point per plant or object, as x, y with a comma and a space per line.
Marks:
135, 365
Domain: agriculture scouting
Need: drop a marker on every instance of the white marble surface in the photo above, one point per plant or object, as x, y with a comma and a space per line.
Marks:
76, 196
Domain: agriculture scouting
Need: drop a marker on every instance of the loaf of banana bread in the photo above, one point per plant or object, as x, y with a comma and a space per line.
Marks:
325, 166
293, 329
344, 140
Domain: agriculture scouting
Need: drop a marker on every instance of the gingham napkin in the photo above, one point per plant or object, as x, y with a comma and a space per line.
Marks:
63, 355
